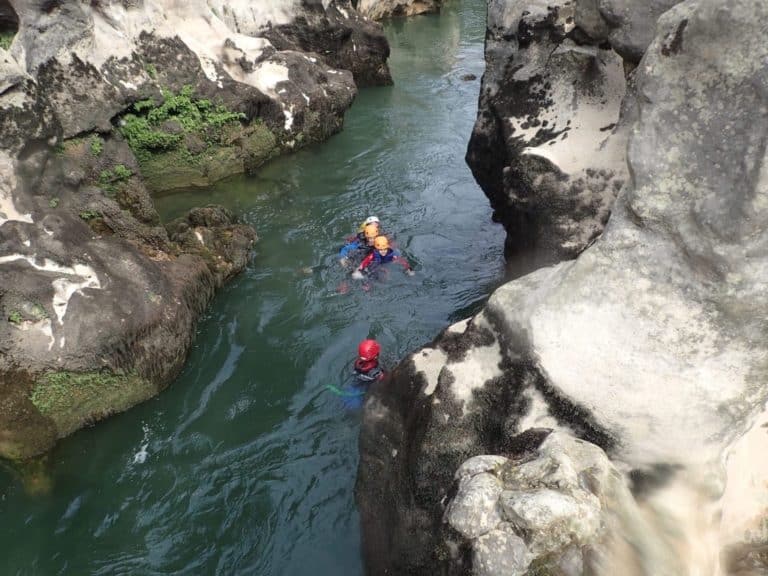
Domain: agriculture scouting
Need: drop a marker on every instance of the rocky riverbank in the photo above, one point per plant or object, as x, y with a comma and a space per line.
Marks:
649, 348
378, 9
103, 104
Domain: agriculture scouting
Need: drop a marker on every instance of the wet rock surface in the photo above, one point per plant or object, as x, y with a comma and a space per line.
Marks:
649, 345
99, 304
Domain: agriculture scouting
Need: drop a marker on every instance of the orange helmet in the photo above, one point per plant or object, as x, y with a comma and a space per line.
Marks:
381, 243
371, 231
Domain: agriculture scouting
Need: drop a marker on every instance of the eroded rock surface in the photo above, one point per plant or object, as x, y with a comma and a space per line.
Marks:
378, 9
544, 509
650, 345
341, 36
631, 25
548, 147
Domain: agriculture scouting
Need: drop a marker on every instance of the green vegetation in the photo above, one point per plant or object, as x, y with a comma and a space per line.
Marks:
89, 214
110, 179
74, 399
151, 128
153, 297
38, 312
6, 39
122, 173
151, 71
97, 145
62, 390
53, 202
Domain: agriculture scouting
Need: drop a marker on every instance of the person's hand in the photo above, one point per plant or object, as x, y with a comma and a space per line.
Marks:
344, 262
357, 275
410, 272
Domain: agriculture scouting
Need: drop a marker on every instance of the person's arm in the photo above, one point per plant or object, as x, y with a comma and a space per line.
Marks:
347, 248
366, 262
404, 263
358, 274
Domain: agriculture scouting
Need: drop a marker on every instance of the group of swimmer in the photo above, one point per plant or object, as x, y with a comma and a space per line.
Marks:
371, 247
367, 252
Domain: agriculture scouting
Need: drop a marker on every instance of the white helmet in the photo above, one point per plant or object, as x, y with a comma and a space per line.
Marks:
371, 220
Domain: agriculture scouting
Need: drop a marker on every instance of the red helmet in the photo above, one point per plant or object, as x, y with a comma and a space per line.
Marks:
368, 349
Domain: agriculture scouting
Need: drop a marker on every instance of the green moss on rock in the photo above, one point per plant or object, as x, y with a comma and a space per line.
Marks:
189, 141
6, 39
171, 170
74, 399
259, 145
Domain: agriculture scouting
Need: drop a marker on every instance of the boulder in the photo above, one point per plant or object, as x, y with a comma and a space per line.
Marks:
549, 508
548, 146
632, 24
379, 9
340, 36
98, 304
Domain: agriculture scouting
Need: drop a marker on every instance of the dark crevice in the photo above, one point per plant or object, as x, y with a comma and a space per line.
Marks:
9, 24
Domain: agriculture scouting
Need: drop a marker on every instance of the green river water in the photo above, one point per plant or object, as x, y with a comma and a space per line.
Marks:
246, 464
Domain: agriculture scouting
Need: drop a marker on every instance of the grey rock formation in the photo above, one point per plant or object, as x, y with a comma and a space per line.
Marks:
540, 512
379, 9
340, 36
98, 301
547, 148
632, 24
650, 345
98, 304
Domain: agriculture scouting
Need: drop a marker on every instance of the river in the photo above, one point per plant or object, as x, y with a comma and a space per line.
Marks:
246, 464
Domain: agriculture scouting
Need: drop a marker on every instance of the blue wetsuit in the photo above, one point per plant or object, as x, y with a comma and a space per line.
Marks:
357, 247
366, 373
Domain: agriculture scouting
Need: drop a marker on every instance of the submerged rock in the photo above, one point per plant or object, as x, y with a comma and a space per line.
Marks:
650, 345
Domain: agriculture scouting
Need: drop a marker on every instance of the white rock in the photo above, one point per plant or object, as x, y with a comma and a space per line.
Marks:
475, 510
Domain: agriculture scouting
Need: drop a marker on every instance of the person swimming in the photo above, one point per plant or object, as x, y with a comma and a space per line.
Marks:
366, 370
360, 245
382, 253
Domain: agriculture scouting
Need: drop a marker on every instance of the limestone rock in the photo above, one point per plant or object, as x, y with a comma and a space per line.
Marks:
475, 509
340, 36
500, 552
547, 147
633, 24
379, 9
547, 520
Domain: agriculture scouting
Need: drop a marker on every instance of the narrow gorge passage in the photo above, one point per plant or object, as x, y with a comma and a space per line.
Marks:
246, 465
